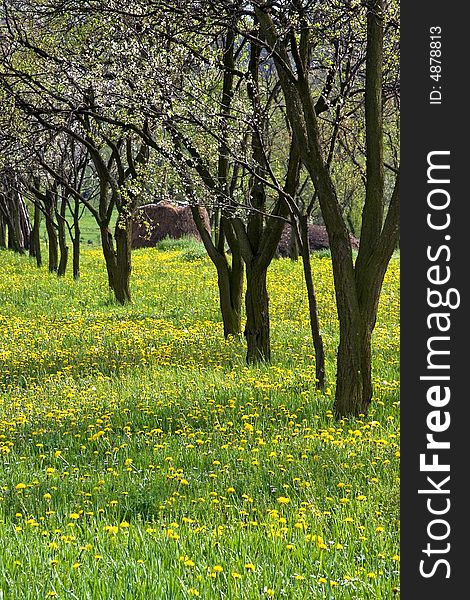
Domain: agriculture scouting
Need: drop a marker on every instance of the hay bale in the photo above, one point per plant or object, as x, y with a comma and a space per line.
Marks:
317, 236
155, 222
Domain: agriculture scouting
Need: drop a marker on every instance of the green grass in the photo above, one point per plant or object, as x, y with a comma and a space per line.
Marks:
140, 458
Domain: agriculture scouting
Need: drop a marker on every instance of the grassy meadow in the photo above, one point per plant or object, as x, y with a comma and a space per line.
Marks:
140, 458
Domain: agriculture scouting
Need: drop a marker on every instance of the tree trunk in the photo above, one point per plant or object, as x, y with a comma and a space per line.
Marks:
25, 224
312, 303
13, 236
3, 233
15, 229
35, 235
76, 241
293, 245
230, 283
122, 235
349, 400
109, 254
257, 331
229, 278
52, 244
64, 249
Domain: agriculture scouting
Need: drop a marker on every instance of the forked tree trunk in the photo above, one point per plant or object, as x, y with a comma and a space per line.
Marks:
257, 329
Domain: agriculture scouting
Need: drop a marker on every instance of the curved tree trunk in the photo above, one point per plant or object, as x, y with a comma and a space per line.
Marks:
229, 277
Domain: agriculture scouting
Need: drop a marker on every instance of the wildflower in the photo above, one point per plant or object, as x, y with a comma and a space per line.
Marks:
111, 529
283, 500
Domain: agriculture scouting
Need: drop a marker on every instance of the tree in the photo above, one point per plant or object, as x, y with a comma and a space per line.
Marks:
357, 285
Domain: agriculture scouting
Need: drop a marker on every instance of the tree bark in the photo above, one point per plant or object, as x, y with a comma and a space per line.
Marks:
76, 241
257, 328
3, 233
64, 249
294, 250
122, 236
53, 253
109, 254
229, 277
312, 303
35, 235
